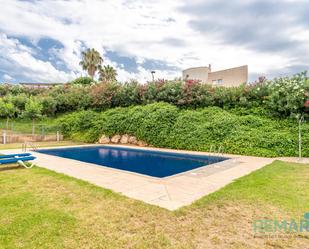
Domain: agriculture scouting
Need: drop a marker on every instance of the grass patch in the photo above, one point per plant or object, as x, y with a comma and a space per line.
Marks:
281, 184
44, 209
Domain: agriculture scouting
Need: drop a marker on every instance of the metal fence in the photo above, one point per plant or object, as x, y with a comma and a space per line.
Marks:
27, 132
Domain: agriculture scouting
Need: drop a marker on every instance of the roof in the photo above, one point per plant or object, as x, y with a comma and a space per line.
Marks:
196, 68
228, 69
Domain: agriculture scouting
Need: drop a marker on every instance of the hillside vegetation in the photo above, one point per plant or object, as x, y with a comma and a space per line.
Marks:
165, 125
254, 119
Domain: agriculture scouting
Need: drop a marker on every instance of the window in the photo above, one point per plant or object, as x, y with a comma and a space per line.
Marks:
219, 81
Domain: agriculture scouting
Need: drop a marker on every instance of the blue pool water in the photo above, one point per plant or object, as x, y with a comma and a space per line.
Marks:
151, 163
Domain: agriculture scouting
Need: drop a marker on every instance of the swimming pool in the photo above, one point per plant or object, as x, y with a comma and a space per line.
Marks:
146, 162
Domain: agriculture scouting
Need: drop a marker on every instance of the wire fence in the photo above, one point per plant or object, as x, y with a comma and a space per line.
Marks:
13, 132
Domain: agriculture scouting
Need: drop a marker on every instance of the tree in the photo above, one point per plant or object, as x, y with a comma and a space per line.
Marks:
107, 74
19, 102
33, 111
49, 105
82, 81
91, 61
7, 110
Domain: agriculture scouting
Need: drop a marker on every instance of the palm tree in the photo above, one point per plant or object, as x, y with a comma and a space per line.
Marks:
107, 73
91, 61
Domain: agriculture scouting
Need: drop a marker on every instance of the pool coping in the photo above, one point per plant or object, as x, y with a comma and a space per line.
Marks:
171, 192
141, 149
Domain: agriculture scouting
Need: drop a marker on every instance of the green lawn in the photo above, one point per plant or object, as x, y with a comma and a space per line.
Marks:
43, 209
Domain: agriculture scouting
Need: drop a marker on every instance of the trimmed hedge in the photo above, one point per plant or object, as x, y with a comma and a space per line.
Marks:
165, 125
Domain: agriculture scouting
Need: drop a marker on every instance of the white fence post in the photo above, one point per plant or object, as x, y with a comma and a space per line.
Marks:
299, 138
58, 136
4, 137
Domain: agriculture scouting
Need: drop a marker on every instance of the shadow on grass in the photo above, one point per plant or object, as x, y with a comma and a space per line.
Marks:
10, 167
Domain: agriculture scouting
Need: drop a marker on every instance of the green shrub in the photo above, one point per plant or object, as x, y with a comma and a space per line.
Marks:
79, 126
49, 105
128, 94
288, 95
19, 102
165, 125
281, 97
71, 98
82, 81
104, 95
150, 123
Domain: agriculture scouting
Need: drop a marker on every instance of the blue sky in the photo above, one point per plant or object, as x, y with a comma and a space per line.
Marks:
42, 40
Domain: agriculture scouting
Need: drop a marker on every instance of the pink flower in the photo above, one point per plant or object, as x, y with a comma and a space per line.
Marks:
306, 104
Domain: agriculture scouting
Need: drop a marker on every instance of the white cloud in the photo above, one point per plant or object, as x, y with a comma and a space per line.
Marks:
139, 29
7, 77
19, 61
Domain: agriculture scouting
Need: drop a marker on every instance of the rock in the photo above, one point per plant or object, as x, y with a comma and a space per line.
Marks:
124, 139
104, 140
142, 143
115, 139
132, 140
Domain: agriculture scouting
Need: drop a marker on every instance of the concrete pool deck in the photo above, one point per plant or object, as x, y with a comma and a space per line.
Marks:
170, 192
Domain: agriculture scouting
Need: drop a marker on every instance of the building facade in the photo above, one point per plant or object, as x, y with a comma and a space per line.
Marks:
228, 77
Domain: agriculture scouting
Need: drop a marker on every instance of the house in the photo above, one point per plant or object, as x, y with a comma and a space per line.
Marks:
40, 85
227, 77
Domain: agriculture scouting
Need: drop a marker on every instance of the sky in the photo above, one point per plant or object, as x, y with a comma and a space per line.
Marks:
42, 41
